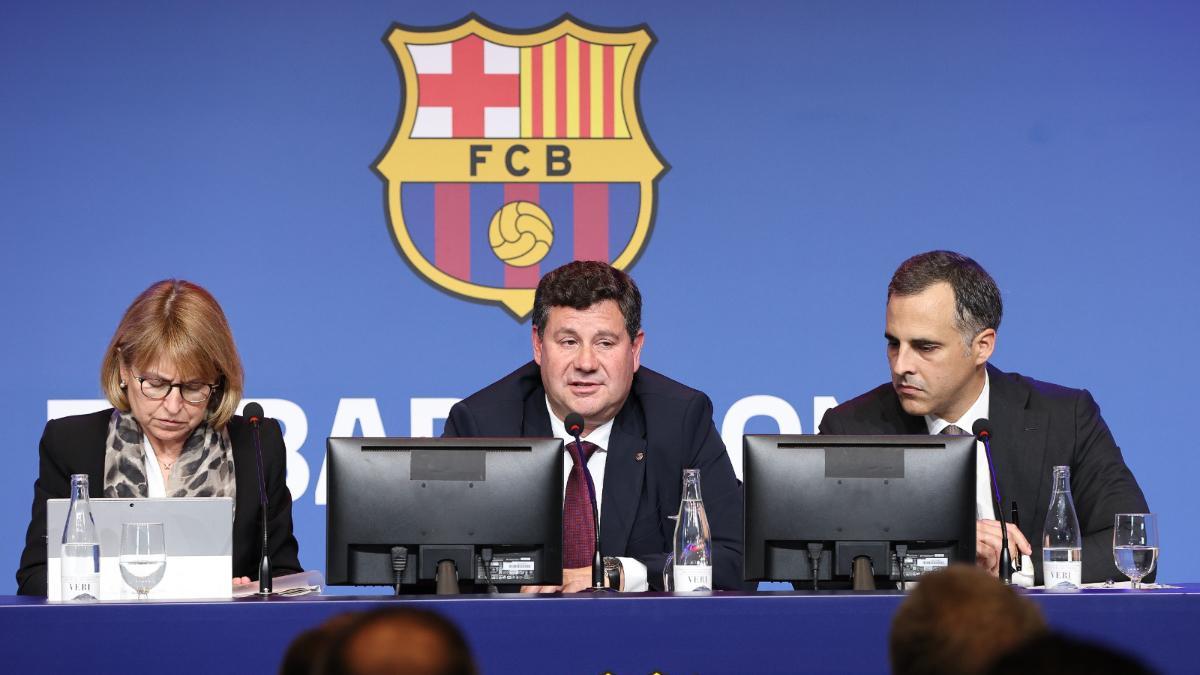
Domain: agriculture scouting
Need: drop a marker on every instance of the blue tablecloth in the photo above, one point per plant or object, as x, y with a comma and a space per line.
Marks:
763, 632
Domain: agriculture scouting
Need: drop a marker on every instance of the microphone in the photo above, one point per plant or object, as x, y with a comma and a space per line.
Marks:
574, 424
983, 432
253, 412
982, 429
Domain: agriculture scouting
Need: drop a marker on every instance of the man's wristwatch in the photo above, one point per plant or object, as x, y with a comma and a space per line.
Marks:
614, 572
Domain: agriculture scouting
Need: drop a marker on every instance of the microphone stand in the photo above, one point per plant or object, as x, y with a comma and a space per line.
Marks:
264, 564
1005, 555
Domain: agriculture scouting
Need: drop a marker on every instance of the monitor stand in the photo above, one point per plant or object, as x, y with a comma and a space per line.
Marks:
863, 577
447, 578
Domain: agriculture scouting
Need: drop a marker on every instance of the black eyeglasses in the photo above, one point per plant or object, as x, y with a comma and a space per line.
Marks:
157, 389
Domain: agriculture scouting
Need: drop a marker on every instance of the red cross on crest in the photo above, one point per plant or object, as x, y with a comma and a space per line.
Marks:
468, 89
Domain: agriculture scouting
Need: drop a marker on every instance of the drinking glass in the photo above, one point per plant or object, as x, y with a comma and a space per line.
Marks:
669, 566
1135, 545
143, 556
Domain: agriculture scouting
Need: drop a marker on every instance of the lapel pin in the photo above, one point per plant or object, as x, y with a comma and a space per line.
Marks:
637, 457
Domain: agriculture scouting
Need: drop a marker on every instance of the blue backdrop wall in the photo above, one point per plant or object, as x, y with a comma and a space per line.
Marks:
813, 146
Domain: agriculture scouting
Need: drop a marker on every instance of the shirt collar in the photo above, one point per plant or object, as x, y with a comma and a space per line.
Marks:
598, 437
977, 411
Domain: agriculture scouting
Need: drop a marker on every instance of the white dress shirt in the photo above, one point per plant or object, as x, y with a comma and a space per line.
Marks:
635, 571
154, 480
983, 479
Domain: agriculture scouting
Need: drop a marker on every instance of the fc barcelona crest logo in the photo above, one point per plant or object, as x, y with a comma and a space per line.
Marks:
517, 152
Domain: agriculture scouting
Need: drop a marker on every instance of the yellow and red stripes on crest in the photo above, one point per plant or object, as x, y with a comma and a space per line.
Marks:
572, 89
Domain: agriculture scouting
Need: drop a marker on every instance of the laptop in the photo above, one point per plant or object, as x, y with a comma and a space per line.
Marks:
199, 542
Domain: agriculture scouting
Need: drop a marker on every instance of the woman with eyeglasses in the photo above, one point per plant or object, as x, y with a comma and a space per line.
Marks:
174, 378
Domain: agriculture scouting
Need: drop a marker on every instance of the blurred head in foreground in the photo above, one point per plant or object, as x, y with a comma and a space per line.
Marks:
307, 653
959, 620
388, 641
1055, 654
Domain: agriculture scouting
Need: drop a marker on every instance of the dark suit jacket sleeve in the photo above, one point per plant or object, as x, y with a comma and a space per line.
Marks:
1101, 486
830, 425
285, 550
53, 481
459, 423
721, 491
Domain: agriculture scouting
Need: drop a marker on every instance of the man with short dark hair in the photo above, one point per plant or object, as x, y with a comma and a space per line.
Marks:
943, 311
641, 430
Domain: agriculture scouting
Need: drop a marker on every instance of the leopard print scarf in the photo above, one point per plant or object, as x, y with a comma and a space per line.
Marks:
205, 469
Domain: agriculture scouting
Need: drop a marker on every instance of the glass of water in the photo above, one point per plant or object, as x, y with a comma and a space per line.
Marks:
1135, 545
669, 565
143, 556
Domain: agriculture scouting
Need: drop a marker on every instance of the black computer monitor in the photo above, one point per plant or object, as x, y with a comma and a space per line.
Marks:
835, 499
444, 499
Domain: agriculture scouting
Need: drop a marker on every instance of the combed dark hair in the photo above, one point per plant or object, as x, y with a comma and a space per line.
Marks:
977, 303
583, 283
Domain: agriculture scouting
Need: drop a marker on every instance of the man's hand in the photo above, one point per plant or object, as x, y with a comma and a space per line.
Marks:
988, 542
574, 580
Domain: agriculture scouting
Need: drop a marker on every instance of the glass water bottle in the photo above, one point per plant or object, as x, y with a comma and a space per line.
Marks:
693, 540
1062, 547
80, 547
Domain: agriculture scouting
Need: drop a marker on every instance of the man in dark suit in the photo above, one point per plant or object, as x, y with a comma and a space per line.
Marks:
643, 429
943, 311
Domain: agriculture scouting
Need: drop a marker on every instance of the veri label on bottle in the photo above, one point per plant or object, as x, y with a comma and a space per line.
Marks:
1066, 574
81, 588
693, 577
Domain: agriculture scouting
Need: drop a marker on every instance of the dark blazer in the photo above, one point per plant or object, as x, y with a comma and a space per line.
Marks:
663, 428
1035, 427
76, 444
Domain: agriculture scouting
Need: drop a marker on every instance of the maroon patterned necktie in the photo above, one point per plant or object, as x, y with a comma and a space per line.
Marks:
579, 531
